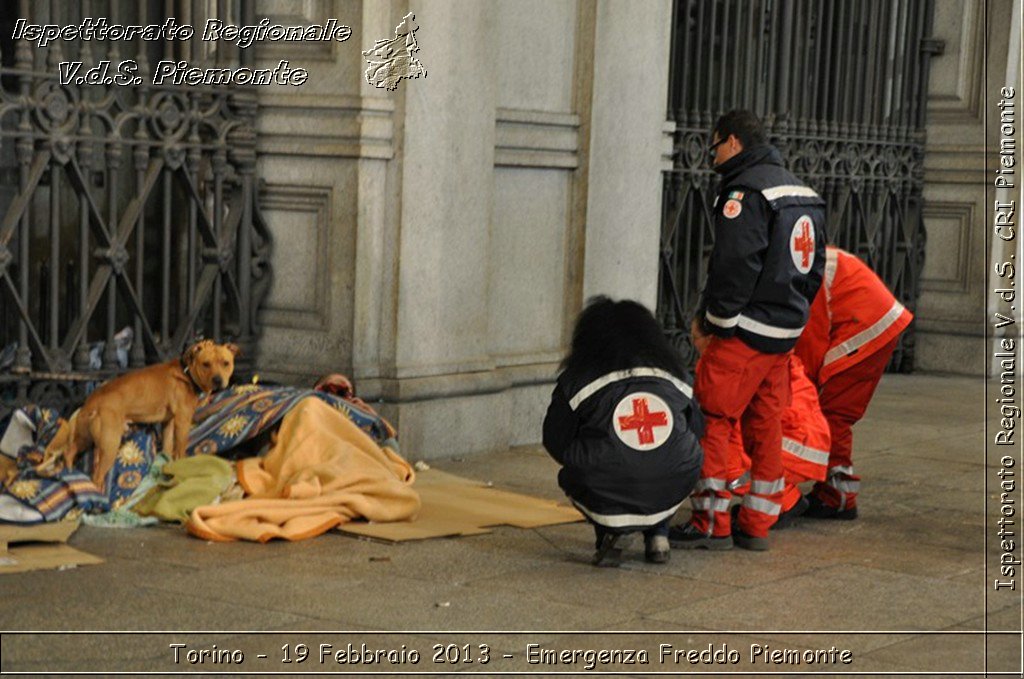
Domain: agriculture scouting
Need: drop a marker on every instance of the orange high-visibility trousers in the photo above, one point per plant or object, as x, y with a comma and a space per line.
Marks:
805, 441
844, 399
738, 384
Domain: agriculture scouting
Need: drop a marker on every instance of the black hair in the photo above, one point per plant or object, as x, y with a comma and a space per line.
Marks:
612, 335
744, 125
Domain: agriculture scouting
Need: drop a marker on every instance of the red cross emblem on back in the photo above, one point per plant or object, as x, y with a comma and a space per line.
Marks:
801, 244
642, 421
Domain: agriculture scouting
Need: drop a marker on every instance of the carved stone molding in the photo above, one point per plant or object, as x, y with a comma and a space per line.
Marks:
956, 77
326, 125
300, 295
303, 13
536, 139
947, 265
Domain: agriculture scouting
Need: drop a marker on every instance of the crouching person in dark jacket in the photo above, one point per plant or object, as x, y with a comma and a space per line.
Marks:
625, 428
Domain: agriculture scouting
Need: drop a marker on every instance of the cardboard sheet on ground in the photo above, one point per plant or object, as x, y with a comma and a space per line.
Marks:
29, 548
453, 505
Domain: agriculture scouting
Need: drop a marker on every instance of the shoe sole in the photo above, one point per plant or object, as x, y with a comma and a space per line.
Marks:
609, 559
845, 515
658, 557
751, 543
609, 554
791, 517
713, 545
783, 525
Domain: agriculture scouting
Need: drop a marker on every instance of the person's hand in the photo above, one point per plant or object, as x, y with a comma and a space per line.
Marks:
701, 344
699, 338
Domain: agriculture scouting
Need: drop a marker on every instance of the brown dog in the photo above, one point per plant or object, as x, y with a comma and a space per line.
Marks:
167, 393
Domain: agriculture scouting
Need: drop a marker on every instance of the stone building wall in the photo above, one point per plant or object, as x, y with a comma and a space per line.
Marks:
435, 242
951, 320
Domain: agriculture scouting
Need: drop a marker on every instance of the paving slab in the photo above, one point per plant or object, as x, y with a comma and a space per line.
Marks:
913, 562
822, 601
628, 591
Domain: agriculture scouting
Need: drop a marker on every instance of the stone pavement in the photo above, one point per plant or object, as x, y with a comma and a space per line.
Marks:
903, 588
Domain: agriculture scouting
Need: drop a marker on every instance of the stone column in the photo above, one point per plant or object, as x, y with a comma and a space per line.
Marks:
631, 55
434, 242
438, 380
955, 280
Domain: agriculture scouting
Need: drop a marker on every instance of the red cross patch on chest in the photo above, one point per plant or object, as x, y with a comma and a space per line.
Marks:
642, 420
732, 209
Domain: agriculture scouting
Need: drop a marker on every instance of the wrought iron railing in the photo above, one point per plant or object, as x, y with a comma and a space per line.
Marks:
840, 85
130, 215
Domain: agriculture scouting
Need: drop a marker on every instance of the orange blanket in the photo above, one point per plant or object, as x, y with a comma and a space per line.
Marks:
322, 471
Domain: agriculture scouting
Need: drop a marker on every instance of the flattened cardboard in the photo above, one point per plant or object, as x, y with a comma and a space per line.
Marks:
57, 531
39, 556
453, 505
19, 558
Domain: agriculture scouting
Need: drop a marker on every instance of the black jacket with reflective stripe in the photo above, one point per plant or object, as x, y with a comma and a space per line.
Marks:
765, 219
615, 485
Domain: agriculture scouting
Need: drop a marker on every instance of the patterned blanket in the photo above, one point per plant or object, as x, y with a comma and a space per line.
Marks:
229, 419
242, 413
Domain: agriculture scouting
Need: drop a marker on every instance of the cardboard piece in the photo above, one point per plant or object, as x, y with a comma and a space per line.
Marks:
51, 553
453, 505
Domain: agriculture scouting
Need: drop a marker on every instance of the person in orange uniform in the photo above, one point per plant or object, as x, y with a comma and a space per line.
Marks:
805, 447
764, 270
854, 326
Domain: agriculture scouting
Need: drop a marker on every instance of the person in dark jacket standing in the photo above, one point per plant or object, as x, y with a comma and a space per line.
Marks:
765, 268
625, 428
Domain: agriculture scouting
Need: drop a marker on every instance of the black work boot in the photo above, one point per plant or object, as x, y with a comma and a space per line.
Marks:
609, 553
686, 536
744, 539
789, 517
816, 509
656, 549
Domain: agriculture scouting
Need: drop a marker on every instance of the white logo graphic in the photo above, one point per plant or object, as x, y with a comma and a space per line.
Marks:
391, 59
801, 244
642, 420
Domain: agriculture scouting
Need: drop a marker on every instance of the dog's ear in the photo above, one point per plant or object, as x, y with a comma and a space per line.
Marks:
191, 352
235, 350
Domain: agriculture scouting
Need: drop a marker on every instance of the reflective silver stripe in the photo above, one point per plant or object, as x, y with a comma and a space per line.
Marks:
710, 503
768, 330
709, 484
741, 481
831, 261
759, 504
619, 375
776, 192
804, 452
864, 336
767, 487
832, 471
722, 322
624, 520
844, 485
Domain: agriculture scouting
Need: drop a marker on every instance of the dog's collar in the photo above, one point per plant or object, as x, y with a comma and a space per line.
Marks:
184, 368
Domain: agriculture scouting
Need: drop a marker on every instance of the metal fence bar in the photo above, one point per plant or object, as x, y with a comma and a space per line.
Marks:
144, 237
839, 85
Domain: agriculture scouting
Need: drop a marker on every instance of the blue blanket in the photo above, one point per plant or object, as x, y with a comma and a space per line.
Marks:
229, 419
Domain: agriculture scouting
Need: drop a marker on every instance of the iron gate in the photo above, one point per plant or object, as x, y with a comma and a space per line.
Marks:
130, 215
841, 87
